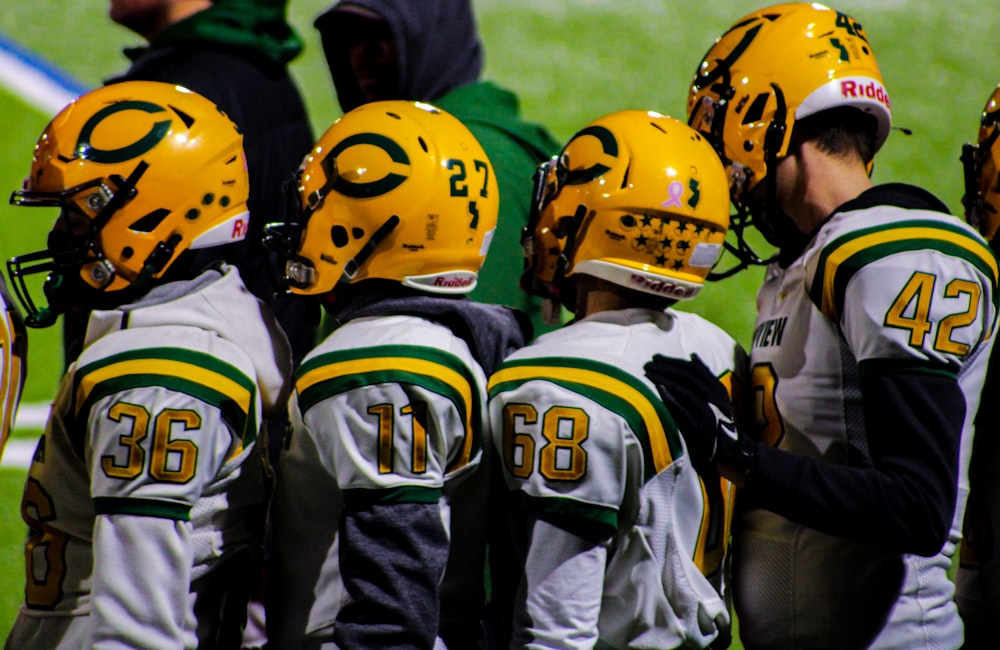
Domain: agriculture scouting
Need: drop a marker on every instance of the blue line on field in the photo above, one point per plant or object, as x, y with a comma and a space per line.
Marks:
35, 80
50, 70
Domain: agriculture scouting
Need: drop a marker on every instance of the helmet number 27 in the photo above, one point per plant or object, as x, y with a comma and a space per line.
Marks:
459, 186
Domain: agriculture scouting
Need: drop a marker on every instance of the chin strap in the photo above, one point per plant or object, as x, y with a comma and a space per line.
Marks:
124, 190
353, 265
159, 258
741, 250
571, 225
773, 224
773, 140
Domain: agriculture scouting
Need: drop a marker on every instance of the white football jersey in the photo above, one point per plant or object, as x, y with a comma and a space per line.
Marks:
880, 284
392, 407
584, 437
147, 478
977, 578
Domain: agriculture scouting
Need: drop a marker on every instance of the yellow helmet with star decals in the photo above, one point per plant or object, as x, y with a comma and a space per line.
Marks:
982, 172
141, 171
394, 190
636, 198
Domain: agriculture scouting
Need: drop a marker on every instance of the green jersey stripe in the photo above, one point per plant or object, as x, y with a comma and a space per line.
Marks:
602, 519
433, 355
142, 508
612, 388
439, 372
200, 359
847, 255
361, 497
242, 422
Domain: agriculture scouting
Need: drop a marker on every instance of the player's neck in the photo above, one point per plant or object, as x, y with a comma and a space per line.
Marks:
813, 184
594, 296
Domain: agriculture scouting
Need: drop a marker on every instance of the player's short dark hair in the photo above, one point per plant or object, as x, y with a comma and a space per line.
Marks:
840, 132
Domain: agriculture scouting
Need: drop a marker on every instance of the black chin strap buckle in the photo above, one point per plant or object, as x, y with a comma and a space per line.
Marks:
161, 256
353, 265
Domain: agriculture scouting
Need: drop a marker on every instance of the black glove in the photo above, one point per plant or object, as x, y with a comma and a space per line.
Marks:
701, 407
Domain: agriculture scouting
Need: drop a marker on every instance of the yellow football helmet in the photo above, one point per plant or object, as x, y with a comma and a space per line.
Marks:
142, 171
772, 68
636, 198
982, 172
394, 190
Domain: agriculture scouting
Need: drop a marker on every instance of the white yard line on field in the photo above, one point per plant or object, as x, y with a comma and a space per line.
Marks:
47, 88
17, 454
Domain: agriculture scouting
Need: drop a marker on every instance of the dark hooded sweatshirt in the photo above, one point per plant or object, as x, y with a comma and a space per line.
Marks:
440, 60
393, 554
236, 53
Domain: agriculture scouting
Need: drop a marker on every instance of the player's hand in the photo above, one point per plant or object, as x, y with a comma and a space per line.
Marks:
701, 407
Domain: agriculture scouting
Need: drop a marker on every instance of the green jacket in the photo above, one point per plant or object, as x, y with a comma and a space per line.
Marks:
258, 26
515, 148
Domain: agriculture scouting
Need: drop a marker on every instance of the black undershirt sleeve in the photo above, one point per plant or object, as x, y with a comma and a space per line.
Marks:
905, 500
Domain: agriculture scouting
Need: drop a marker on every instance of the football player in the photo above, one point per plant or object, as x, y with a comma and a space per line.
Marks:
146, 495
873, 331
978, 575
379, 514
620, 540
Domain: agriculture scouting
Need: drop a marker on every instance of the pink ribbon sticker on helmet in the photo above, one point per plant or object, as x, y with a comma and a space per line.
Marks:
676, 191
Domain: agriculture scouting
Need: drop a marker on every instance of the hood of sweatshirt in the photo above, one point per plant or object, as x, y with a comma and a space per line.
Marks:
216, 301
437, 44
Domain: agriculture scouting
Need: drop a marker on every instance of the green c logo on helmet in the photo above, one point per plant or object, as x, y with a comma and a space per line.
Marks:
610, 146
377, 187
86, 150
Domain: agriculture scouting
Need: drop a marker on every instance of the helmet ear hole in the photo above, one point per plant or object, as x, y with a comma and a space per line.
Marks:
339, 237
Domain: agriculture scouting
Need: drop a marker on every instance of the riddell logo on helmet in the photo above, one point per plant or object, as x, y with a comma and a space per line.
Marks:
870, 90
239, 229
452, 282
662, 286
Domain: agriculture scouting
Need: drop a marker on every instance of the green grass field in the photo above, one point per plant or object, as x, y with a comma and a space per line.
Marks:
570, 62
